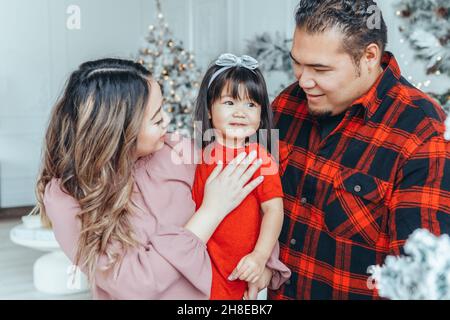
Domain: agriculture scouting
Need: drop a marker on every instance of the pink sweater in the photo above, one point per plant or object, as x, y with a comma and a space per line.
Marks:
170, 262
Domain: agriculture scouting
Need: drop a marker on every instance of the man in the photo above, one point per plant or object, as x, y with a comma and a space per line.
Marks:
365, 161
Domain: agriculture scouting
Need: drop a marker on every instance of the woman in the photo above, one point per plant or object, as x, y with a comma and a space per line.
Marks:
118, 195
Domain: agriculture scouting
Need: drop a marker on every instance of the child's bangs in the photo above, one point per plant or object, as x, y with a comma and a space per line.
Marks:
239, 84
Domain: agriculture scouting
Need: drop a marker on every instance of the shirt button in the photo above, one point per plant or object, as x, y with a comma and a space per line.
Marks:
357, 188
304, 200
288, 283
293, 242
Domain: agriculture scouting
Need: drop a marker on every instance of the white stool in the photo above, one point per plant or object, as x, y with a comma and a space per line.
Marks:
53, 273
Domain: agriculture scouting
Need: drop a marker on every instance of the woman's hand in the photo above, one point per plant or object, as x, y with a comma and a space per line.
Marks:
224, 191
226, 188
254, 288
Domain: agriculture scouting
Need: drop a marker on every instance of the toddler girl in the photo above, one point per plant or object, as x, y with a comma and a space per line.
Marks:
233, 105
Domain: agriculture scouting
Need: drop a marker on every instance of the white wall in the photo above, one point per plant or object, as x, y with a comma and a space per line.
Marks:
38, 52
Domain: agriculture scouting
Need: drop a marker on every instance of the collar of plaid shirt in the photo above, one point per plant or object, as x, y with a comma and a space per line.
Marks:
355, 197
388, 79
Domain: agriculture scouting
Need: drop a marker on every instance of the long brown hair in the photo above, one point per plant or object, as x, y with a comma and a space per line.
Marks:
90, 145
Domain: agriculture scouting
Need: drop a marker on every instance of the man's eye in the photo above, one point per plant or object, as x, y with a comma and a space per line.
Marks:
321, 71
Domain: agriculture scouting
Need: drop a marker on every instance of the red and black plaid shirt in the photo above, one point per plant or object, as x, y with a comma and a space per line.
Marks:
356, 196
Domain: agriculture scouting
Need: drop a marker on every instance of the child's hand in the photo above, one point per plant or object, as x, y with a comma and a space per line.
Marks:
254, 288
250, 268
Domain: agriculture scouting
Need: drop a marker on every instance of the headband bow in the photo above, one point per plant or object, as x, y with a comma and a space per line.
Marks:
229, 60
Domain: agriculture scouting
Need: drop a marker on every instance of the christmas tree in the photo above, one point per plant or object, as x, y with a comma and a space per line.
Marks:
427, 26
272, 54
175, 70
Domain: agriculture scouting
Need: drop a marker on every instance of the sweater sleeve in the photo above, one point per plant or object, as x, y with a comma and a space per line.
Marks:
145, 271
281, 273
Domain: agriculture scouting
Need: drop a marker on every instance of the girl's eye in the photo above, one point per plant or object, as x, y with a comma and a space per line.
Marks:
251, 105
228, 103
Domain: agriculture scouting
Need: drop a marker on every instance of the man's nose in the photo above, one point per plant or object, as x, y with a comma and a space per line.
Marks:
305, 81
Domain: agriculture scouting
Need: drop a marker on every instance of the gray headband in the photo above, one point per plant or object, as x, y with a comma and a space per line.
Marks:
229, 60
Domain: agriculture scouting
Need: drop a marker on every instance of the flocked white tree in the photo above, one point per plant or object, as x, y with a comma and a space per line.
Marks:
272, 52
175, 70
422, 274
427, 26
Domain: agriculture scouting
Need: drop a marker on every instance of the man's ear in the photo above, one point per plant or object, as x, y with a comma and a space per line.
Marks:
372, 57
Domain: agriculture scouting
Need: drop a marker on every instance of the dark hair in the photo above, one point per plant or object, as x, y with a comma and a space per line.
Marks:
351, 17
256, 90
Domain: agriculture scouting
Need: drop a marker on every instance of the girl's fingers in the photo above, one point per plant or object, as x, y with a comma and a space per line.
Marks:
233, 275
240, 271
251, 277
245, 275
254, 279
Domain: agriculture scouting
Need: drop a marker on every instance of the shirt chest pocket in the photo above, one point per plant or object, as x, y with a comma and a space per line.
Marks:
356, 207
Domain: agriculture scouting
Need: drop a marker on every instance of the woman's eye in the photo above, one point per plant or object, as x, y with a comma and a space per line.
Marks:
159, 122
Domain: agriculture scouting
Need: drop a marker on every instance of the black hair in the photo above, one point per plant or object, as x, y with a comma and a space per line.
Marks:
255, 90
351, 17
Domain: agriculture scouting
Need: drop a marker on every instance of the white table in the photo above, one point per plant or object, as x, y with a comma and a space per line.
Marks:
53, 273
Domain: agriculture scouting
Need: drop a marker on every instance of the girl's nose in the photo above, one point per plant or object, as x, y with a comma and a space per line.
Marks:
239, 114
239, 111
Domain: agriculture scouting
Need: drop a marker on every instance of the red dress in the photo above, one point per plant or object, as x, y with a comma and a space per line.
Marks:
238, 233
